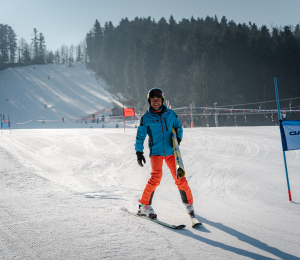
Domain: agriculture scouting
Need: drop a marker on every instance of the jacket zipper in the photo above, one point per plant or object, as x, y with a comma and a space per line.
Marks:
162, 128
166, 124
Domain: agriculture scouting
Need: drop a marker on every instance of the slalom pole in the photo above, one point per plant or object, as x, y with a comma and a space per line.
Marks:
134, 112
187, 108
123, 116
9, 125
279, 118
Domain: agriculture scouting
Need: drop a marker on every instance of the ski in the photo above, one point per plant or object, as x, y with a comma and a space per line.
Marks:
195, 222
158, 221
180, 171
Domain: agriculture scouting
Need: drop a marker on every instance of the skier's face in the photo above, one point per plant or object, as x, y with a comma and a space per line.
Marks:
156, 103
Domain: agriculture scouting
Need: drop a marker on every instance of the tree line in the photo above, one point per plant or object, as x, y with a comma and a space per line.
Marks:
8, 45
35, 52
197, 61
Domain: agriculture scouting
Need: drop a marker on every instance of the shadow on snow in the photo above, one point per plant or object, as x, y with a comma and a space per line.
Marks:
242, 237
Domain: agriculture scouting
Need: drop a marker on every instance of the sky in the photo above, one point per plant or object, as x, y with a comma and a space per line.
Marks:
68, 21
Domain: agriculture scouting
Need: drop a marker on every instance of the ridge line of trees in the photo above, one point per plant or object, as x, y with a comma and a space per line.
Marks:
199, 61
35, 52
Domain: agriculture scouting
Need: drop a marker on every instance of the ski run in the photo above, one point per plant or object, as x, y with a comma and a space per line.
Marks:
64, 193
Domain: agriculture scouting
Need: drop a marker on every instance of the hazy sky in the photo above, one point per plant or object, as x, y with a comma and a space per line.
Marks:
68, 21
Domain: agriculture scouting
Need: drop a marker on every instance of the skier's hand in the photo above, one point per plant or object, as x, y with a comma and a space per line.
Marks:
178, 141
140, 158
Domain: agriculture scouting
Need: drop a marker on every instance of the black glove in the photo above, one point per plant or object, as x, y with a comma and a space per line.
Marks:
178, 141
140, 158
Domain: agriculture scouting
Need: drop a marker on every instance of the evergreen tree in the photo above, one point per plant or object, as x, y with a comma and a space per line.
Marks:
90, 47
71, 53
66, 54
41, 49
97, 39
26, 54
12, 43
78, 54
35, 44
57, 57
4, 51
8, 44
50, 57
62, 55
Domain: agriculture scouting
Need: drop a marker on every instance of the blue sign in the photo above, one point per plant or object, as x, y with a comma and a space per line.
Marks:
290, 134
4, 125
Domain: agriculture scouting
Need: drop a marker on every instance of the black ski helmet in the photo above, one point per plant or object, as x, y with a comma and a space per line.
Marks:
155, 93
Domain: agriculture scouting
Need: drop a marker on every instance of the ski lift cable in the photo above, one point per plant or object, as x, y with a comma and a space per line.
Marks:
259, 102
287, 108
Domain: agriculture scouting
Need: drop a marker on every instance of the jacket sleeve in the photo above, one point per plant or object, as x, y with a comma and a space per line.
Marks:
178, 127
140, 136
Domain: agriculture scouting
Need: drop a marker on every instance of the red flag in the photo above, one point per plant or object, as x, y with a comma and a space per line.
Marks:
128, 112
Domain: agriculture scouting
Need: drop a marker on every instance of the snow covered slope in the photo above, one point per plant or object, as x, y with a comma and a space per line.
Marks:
51, 92
64, 195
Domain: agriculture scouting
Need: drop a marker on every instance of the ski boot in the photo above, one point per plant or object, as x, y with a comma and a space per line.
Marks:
190, 209
147, 210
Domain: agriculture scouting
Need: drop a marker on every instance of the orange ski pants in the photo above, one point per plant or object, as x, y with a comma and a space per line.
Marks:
156, 175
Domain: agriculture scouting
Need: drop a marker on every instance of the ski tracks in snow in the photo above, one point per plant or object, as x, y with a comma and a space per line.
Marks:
61, 193
225, 162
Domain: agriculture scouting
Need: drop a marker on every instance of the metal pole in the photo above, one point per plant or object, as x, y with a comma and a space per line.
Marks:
123, 116
192, 122
9, 124
189, 116
134, 111
216, 115
279, 118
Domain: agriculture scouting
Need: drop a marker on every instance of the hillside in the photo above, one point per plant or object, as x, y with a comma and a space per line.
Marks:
51, 92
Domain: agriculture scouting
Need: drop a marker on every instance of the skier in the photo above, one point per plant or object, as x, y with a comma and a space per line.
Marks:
158, 122
284, 115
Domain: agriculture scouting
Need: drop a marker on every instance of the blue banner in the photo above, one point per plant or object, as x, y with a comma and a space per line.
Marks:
4, 125
290, 134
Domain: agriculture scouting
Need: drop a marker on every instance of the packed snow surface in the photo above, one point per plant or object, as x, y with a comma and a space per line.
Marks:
65, 193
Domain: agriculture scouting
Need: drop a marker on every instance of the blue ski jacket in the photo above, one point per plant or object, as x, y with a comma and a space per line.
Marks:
159, 130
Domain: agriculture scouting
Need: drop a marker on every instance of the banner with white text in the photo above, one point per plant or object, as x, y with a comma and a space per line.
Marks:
290, 134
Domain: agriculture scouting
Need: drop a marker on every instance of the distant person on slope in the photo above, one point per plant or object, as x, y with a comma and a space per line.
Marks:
158, 122
284, 115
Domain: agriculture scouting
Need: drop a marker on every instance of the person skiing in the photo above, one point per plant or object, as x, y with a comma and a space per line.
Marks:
284, 115
157, 123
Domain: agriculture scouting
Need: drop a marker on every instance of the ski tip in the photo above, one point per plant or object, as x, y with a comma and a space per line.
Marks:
180, 227
197, 225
